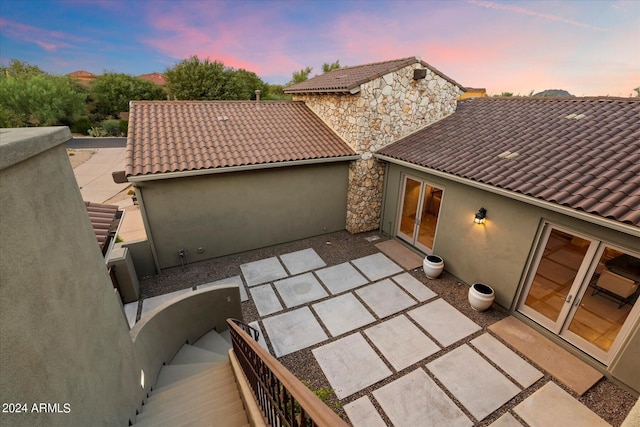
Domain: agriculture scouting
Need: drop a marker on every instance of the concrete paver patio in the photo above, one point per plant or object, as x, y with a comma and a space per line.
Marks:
480, 387
298, 290
551, 406
350, 364
265, 299
385, 298
340, 278
302, 261
401, 342
417, 373
263, 271
416, 400
376, 266
343, 314
293, 330
446, 324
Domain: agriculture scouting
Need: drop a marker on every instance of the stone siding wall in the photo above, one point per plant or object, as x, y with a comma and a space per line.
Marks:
385, 109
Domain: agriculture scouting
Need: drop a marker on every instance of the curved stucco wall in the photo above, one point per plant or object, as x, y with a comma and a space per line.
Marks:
161, 333
63, 335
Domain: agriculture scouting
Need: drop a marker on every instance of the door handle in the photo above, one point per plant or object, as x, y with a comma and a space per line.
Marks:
568, 298
576, 302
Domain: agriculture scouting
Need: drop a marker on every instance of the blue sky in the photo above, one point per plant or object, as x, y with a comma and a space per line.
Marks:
585, 47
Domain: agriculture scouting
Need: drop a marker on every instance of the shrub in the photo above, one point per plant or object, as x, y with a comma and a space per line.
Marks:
111, 127
124, 127
97, 131
82, 125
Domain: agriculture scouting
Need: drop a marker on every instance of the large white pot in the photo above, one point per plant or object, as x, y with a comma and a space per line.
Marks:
481, 296
433, 266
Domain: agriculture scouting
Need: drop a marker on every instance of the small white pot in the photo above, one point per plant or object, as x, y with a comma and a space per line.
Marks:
433, 266
481, 296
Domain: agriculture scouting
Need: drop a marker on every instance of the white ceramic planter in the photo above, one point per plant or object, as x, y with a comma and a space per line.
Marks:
481, 296
433, 266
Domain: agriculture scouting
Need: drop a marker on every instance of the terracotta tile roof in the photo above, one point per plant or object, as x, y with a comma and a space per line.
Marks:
80, 74
176, 136
347, 78
583, 153
157, 78
105, 220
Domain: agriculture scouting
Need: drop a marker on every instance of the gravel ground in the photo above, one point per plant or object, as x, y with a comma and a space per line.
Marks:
608, 400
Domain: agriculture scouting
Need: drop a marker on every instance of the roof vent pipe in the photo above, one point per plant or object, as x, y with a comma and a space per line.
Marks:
257, 94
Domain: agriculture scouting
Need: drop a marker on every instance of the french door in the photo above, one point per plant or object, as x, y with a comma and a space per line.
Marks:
419, 213
584, 290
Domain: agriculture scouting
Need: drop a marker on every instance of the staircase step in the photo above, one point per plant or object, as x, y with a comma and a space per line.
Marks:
215, 370
212, 341
192, 412
213, 391
213, 376
170, 374
226, 335
205, 419
191, 354
217, 398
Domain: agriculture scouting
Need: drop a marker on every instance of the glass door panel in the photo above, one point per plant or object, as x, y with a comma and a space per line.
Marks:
560, 262
409, 214
429, 215
583, 290
607, 302
419, 213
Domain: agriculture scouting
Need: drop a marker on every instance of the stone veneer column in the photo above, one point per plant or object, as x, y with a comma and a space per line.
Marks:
364, 195
386, 109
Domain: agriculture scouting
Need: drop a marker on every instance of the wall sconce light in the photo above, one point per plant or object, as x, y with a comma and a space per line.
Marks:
481, 216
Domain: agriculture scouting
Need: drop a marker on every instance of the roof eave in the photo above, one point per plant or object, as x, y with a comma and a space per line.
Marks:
565, 210
212, 171
353, 90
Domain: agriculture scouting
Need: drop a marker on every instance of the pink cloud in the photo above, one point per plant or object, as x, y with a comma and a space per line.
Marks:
47, 39
251, 41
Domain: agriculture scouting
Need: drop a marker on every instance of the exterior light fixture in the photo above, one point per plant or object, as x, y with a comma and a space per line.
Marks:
481, 216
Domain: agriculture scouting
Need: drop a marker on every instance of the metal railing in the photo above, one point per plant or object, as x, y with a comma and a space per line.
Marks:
282, 398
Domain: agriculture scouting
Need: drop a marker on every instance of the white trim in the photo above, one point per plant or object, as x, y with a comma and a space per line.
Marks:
211, 171
565, 210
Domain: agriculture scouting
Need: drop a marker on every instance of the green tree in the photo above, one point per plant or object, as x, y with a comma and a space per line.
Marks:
34, 99
637, 92
300, 76
276, 92
197, 80
242, 84
330, 67
113, 91
19, 69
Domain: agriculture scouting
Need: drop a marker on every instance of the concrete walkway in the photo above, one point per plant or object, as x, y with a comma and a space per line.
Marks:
94, 175
369, 321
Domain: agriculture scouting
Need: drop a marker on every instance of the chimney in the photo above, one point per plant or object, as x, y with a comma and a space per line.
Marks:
257, 94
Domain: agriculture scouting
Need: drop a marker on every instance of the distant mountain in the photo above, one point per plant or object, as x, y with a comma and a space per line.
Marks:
555, 93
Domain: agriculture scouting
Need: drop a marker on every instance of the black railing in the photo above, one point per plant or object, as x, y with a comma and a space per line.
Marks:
282, 398
253, 332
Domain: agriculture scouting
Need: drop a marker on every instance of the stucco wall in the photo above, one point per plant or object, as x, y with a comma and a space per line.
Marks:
160, 333
385, 109
233, 212
63, 335
498, 252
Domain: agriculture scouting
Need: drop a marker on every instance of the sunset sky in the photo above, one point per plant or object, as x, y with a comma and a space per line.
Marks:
585, 47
